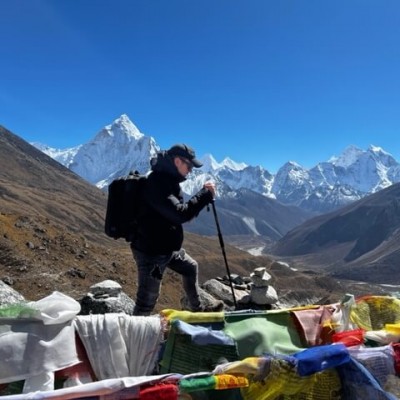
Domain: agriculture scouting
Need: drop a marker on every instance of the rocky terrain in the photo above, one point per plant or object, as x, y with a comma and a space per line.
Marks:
51, 238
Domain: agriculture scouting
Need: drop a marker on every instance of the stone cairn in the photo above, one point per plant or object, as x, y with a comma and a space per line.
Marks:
106, 297
261, 292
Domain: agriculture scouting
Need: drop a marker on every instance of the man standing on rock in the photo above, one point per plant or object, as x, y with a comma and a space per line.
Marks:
159, 235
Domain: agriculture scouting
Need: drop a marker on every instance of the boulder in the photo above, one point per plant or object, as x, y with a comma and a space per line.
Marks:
223, 292
206, 299
9, 296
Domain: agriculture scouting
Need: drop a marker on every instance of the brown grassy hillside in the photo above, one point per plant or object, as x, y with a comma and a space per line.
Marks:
51, 237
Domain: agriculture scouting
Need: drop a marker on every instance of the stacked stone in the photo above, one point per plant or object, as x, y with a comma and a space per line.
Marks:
261, 292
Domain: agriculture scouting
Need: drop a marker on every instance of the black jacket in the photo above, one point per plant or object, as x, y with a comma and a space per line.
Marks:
164, 211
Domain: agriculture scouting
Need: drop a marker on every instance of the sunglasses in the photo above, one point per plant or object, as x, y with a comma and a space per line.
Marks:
187, 162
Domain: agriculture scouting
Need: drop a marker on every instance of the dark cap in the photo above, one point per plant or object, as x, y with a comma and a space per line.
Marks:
182, 150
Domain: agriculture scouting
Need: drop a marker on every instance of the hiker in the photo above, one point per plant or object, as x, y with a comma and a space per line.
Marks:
159, 236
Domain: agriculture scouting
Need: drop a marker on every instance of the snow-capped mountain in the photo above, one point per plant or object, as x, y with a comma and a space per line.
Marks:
120, 147
337, 182
63, 156
116, 150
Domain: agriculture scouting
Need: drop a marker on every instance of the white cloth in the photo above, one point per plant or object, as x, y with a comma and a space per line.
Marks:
33, 347
382, 336
102, 388
119, 345
341, 315
42, 382
55, 309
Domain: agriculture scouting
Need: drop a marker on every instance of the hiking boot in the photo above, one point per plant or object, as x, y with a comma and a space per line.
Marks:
216, 306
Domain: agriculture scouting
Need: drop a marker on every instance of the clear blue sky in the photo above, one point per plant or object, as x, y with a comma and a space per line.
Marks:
260, 81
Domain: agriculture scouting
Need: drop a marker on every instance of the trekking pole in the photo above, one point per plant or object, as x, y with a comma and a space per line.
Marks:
221, 242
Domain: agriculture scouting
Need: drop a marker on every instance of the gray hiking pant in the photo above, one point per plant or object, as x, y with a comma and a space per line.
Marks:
150, 272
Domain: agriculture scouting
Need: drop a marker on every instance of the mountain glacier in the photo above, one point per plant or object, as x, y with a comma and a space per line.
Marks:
120, 148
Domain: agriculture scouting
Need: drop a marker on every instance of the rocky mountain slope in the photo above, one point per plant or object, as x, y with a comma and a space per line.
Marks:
360, 241
51, 238
246, 212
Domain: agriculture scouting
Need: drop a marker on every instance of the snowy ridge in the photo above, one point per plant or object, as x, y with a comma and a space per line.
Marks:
211, 165
63, 156
120, 147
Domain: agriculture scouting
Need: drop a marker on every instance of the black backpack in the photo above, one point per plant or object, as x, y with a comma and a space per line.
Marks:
123, 206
